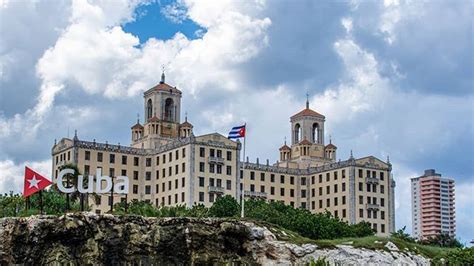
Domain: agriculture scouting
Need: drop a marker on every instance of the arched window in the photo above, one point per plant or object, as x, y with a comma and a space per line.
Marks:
169, 109
315, 133
149, 109
297, 133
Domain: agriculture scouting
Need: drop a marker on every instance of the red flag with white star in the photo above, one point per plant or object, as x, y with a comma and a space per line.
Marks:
34, 182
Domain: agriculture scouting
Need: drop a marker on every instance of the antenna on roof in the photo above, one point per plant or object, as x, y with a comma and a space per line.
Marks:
307, 100
162, 74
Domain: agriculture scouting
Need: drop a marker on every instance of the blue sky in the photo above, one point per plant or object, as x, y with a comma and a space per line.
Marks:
393, 78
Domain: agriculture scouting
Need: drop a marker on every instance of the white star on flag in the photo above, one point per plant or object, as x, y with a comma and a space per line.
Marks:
34, 182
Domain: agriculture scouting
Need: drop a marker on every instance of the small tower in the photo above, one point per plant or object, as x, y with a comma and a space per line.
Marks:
137, 131
186, 128
330, 151
285, 152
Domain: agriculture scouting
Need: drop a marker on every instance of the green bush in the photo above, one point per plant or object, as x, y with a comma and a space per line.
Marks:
401, 234
225, 206
443, 240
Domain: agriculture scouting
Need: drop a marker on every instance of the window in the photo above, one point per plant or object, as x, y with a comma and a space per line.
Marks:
176, 183
292, 192
360, 186
202, 152
87, 155
201, 196
335, 201
381, 176
157, 189
170, 172
327, 190
375, 227
176, 169
135, 175
262, 177
335, 175
313, 193
343, 187
382, 202
219, 153
147, 189
212, 153
252, 175
320, 204
272, 178
211, 197
135, 189
183, 167
183, 182
292, 180
201, 181
148, 162
303, 193
335, 188
211, 182
112, 158
163, 173
343, 176
312, 180
229, 184
124, 172
228, 170
382, 228
360, 173
282, 192
182, 196
170, 156
229, 155
320, 191
212, 168
164, 158
320, 179
369, 214
176, 155
272, 190
336, 214
368, 187
382, 215
124, 159
201, 167
136, 161
147, 175
374, 188
99, 156
158, 160
361, 199
183, 152
262, 189
282, 179
361, 213
303, 181
327, 177
313, 205
382, 189
328, 203
343, 213
343, 200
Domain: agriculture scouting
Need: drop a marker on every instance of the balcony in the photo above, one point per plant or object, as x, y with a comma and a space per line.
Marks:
372, 180
216, 190
255, 194
374, 207
215, 160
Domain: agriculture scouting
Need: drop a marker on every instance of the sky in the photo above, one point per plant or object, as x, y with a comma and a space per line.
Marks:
393, 78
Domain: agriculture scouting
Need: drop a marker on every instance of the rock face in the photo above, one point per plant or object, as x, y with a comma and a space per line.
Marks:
105, 239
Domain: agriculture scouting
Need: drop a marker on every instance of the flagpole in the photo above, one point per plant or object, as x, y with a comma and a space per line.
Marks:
242, 213
41, 201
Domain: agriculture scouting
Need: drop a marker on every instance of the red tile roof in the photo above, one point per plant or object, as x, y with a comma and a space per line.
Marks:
137, 126
186, 124
154, 119
285, 148
330, 146
165, 87
307, 112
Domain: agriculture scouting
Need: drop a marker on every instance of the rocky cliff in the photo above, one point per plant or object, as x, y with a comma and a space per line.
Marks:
105, 239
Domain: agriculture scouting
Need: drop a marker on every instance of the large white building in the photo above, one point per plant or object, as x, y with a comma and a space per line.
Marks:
169, 165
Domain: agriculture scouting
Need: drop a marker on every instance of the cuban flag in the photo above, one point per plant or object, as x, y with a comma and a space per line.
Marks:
237, 132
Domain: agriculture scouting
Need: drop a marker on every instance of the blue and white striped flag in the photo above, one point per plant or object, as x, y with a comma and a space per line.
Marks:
237, 132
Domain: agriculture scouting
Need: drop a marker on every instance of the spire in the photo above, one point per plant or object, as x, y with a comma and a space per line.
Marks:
388, 159
352, 156
330, 139
75, 135
138, 118
162, 74
307, 100
285, 140
186, 116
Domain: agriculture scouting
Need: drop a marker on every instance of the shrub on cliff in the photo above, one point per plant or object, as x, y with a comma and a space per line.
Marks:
225, 206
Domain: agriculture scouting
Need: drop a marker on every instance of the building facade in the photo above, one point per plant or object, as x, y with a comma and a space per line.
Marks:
433, 211
168, 165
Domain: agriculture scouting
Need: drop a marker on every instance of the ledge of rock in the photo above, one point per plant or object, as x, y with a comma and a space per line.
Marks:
87, 238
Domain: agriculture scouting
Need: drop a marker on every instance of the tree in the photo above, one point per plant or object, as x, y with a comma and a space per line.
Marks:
443, 240
225, 206
401, 234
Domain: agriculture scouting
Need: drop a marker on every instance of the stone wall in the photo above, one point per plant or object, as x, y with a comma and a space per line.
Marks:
105, 239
